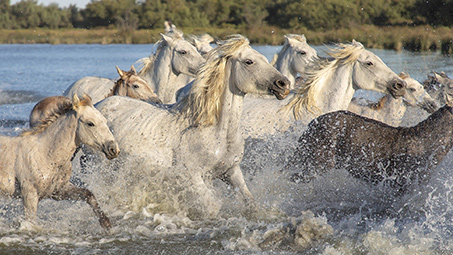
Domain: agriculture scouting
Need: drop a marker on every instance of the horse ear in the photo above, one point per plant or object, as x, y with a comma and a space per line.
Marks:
303, 38
403, 75
120, 72
356, 43
75, 102
167, 39
291, 41
133, 70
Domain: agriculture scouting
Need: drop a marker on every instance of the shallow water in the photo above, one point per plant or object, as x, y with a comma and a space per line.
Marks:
154, 212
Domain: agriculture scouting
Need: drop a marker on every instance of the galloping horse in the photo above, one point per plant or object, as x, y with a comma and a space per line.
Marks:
202, 43
174, 56
391, 110
202, 132
295, 57
36, 164
329, 87
128, 84
373, 151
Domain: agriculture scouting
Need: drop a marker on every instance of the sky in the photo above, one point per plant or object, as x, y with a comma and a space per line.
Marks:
61, 3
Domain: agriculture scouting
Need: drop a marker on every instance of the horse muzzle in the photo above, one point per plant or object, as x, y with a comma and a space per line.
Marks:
154, 100
398, 88
280, 89
429, 105
111, 149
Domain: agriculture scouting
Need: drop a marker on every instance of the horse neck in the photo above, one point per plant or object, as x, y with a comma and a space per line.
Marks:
394, 107
231, 109
283, 64
337, 90
60, 136
436, 128
161, 77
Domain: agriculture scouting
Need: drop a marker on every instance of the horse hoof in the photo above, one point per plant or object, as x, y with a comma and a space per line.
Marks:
105, 223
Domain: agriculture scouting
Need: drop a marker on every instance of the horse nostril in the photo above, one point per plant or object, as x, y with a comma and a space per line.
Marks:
399, 85
280, 83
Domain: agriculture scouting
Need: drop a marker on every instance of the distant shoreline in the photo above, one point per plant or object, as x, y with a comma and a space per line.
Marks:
417, 39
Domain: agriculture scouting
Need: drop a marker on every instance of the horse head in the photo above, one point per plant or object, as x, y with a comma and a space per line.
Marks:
300, 55
131, 85
92, 129
252, 73
185, 57
202, 43
371, 73
417, 95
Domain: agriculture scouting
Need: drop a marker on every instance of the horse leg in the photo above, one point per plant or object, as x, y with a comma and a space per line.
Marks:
234, 177
30, 199
72, 192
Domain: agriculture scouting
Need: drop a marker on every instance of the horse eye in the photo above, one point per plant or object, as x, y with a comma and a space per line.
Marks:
412, 89
302, 52
135, 86
249, 62
369, 63
90, 124
182, 52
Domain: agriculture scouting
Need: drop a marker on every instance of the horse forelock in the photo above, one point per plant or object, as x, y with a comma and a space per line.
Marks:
306, 95
203, 103
346, 53
120, 82
51, 112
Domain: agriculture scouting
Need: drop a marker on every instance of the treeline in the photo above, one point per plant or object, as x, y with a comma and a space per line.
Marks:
314, 15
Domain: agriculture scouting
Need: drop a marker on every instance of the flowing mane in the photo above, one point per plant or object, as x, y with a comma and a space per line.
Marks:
203, 102
307, 93
53, 112
147, 63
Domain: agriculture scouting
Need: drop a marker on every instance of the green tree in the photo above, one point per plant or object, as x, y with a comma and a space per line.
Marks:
26, 13
54, 17
5, 15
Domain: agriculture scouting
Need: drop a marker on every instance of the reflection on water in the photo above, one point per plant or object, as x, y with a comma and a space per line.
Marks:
152, 213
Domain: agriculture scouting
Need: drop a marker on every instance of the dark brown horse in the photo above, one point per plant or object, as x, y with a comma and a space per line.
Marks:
373, 151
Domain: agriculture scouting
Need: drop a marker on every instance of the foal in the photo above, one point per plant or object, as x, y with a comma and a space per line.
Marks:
37, 164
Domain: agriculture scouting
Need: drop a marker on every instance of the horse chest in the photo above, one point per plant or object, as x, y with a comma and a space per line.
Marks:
210, 150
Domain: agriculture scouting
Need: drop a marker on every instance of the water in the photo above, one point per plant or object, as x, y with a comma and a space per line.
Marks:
335, 214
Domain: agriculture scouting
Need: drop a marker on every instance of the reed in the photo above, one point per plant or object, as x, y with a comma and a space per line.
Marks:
412, 38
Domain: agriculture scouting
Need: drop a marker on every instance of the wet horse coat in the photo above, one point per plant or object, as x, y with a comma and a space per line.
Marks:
371, 150
36, 164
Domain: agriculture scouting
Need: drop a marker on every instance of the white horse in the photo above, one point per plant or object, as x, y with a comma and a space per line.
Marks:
202, 132
36, 164
202, 43
174, 56
435, 85
391, 110
295, 57
128, 84
329, 87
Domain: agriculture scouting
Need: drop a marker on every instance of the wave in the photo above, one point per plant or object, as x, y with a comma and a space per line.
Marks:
19, 96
